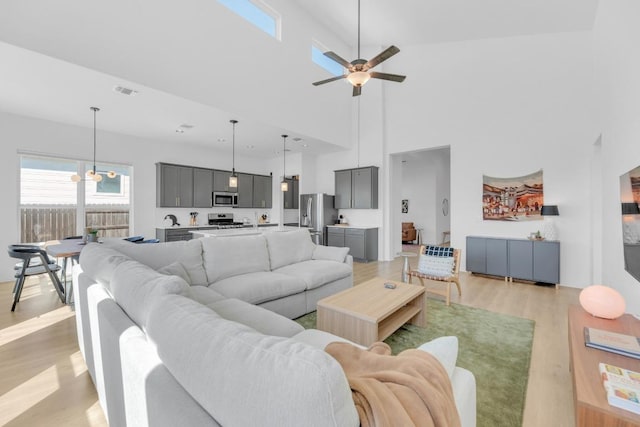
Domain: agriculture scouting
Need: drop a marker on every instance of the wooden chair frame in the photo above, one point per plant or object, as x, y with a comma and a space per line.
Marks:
453, 278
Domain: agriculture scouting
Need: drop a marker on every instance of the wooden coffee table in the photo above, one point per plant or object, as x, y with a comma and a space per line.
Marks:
369, 312
591, 406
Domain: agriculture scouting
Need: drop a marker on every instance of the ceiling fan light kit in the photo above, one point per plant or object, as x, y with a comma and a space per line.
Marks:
358, 69
92, 173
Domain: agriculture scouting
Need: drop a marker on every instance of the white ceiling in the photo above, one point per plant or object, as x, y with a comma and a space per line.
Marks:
40, 86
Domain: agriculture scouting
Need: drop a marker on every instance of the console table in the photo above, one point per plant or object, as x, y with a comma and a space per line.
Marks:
589, 397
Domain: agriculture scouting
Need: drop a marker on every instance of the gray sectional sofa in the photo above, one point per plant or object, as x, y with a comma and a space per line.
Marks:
171, 338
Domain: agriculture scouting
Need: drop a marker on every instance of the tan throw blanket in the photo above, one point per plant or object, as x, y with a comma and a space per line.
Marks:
410, 389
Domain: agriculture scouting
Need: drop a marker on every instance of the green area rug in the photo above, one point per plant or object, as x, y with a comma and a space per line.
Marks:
495, 347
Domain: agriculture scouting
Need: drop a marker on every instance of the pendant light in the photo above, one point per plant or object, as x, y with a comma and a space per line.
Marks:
92, 173
284, 185
233, 179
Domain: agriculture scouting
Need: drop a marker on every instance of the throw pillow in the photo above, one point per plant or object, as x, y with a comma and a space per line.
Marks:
436, 266
439, 251
330, 253
176, 269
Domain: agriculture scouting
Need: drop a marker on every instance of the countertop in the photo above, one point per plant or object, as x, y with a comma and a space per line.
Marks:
241, 231
361, 227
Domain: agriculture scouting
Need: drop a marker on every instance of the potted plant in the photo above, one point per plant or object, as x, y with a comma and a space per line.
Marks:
92, 235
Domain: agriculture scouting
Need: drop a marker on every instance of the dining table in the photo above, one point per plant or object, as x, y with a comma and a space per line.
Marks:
67, 250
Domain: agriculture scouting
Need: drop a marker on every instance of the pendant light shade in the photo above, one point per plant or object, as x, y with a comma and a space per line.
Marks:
233, 179
284, 185
92, 173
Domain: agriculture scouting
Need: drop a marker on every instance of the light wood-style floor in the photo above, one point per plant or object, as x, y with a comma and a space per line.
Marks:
44, 381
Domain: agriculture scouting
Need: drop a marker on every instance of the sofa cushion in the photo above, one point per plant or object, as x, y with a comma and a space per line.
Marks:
135, 285
203, 294
330, 253
158, 255
228, 367
260, 319
317, 272
229, 256
256, 288
289, 247
176, 269
100, 262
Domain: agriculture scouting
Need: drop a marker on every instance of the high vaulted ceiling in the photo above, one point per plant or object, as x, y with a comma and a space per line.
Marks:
59, 58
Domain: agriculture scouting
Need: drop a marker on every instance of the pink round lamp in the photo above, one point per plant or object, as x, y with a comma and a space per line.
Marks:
602, 301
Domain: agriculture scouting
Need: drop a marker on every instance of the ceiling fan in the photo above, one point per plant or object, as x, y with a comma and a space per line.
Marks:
359, 69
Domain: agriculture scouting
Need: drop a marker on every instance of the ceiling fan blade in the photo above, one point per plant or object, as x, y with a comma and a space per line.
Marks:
340, 60
386, 76
382, 56
332, 79
357, 90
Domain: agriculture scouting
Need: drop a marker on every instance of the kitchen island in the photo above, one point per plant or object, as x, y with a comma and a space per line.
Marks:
230, 232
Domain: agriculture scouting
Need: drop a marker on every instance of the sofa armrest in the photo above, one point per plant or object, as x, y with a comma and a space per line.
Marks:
349, 260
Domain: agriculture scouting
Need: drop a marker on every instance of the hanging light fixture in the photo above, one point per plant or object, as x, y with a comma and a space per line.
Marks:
92, 173
284, 185
233, 179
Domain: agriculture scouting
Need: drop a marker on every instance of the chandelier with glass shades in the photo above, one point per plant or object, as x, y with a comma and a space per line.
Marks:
92, 174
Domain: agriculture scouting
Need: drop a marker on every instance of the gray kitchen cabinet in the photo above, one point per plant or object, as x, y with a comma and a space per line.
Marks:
343, 189
177, 234
221, 181
245, 190
174, 185
335, 237
262, 191
362, 242
290, 197
534, 260
202, 188
357, 188
364, 191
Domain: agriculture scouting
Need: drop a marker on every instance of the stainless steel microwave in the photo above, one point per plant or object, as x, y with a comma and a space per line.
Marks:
223, 198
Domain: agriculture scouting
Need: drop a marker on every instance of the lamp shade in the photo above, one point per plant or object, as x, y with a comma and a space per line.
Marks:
602, 301
549, 210
630, 209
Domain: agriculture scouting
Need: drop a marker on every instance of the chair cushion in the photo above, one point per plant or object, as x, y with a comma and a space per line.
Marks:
289, 247
317, 272
229, 256
435, 266
259, 287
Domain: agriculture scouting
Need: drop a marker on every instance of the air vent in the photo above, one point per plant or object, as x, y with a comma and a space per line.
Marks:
186, 126
125, 90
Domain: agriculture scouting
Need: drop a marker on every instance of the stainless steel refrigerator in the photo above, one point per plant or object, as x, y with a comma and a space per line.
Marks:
316, 212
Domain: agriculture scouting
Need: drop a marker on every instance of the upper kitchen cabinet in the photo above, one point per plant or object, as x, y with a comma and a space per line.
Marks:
221, 181
174, 185
262, 191
245, 190
290, 197
202, 188
357, 188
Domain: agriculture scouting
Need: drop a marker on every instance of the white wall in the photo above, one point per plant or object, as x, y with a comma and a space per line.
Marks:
617, 31
39, 136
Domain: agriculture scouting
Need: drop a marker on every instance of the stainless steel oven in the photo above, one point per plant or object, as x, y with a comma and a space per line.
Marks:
223, 198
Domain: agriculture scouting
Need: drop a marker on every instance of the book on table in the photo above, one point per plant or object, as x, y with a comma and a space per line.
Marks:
622, 387
626, 345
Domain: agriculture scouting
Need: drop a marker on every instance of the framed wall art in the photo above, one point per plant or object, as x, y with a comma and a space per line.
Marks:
512, 199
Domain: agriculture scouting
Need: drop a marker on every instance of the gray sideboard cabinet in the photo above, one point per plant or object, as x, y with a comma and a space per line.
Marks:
534, 260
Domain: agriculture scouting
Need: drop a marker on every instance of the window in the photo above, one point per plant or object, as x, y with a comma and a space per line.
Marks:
53, 207
317, 56
258, 13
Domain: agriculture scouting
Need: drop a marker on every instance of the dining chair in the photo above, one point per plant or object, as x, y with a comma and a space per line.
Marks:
29, 255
